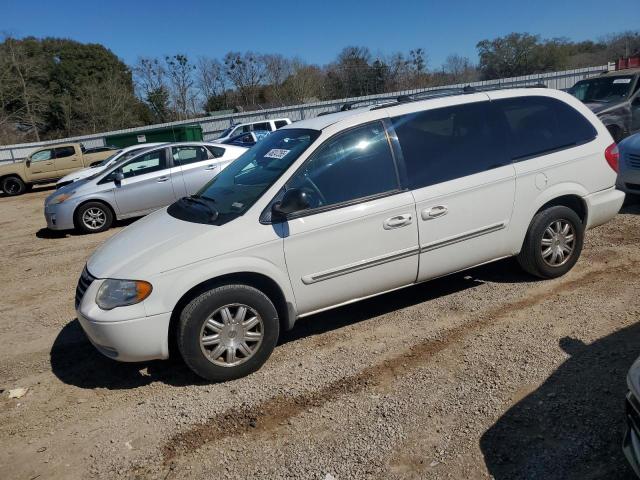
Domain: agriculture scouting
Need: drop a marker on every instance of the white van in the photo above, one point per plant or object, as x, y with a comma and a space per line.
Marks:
347, 206
262, 125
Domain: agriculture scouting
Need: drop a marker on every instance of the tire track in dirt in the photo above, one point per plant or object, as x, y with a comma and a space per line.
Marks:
271, 413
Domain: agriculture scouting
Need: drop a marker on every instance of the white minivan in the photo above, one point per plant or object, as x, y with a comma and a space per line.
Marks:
261, 125
346, 206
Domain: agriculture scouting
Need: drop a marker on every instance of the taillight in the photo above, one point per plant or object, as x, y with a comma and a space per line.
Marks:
612, 156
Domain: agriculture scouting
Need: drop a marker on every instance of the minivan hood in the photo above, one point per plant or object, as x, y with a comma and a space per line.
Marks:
153, 244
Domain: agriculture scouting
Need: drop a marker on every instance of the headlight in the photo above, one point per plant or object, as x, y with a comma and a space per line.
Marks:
61, 198
119, 293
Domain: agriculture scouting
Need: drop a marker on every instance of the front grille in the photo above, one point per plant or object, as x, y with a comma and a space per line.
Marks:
83, 283
634, 160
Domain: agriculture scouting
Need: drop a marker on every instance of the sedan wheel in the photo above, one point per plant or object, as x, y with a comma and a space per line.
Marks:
94, 218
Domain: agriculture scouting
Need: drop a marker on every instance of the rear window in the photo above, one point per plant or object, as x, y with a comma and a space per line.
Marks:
540, 125
281, 123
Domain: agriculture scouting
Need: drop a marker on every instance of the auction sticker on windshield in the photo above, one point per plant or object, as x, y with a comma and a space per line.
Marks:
276, 153
622, 80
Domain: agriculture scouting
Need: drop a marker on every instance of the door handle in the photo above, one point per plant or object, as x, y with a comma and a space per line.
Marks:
211, 167
434, 212
162, 179
397, 221
49, 163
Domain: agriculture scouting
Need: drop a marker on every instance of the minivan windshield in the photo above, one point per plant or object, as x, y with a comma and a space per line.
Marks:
602, 89
239, 186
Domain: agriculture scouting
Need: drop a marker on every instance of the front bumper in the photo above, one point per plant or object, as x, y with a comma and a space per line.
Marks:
631, 442
60, 216
125, 333
134, 340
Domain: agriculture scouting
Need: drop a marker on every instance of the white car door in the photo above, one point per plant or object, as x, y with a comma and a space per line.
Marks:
147, 184
197, 166
359, 236
461, 176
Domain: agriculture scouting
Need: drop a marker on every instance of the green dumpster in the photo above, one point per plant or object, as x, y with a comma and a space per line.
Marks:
181, 133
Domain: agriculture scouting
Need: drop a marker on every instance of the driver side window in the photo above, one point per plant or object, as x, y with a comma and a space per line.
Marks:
148, 163
41, 156
353, 165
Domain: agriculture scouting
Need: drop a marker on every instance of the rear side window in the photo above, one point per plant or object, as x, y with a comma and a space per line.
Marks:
216, 152
447, 143
540, 125
262, 126
352, 165
62, 152
280, 123
188, 154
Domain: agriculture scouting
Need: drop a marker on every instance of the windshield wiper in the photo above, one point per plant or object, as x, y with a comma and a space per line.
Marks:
205, 202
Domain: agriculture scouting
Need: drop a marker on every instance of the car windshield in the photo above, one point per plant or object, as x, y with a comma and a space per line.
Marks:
107, 160
227, 131
240, 185
602, 89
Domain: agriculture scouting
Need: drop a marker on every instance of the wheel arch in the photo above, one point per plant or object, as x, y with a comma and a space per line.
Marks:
95, 200
572, 201
259, 281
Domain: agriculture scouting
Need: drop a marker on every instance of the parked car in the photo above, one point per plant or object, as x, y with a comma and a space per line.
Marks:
631, 442
265, 125
347, 206
98, 149
247, 140
615, 98
629, 176
46, 165
136, 186
115, 157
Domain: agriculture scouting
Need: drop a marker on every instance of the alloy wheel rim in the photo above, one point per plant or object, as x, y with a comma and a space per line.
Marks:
558, 243
231, 335
94, 218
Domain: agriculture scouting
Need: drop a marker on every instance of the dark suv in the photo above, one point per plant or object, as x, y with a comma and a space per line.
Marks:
615, 98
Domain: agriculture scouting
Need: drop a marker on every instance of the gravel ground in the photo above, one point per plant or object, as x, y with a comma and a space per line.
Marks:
485, 373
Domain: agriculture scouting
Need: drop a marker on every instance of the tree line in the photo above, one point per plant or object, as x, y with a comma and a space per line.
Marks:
52, 88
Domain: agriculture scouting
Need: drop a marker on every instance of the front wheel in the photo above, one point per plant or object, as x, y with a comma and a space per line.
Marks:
228, 332
553, 243
93, 217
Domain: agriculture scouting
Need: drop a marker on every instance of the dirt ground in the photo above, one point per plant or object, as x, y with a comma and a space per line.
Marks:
482, 374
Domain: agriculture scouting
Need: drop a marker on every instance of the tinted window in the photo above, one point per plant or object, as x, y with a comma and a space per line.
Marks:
217, 152
352, 165
262, 126
64, 152
147, 163
602, 89
281, 123
540, 125
447, 143
186, 155
41, 156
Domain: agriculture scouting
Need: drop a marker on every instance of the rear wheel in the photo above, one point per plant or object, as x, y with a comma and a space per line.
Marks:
553, 243
93, 217
13, 186
228, 332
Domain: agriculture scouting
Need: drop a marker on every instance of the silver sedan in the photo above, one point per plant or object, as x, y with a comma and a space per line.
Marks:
154, 178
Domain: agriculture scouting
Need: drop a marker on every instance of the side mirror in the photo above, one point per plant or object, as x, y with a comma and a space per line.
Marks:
119, 176
293, 200
28, 162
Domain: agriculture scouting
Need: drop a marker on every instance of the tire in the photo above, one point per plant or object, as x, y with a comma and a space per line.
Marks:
12, 186
542, 236
93, 217
204, 319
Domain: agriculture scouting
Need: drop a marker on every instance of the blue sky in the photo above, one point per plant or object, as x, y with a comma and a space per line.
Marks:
313, 30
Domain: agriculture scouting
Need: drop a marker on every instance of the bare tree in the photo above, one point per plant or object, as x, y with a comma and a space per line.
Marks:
246, 72
29, 75
305, 84
460, 69
180, 73
277, 70
210, 79
150, 78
